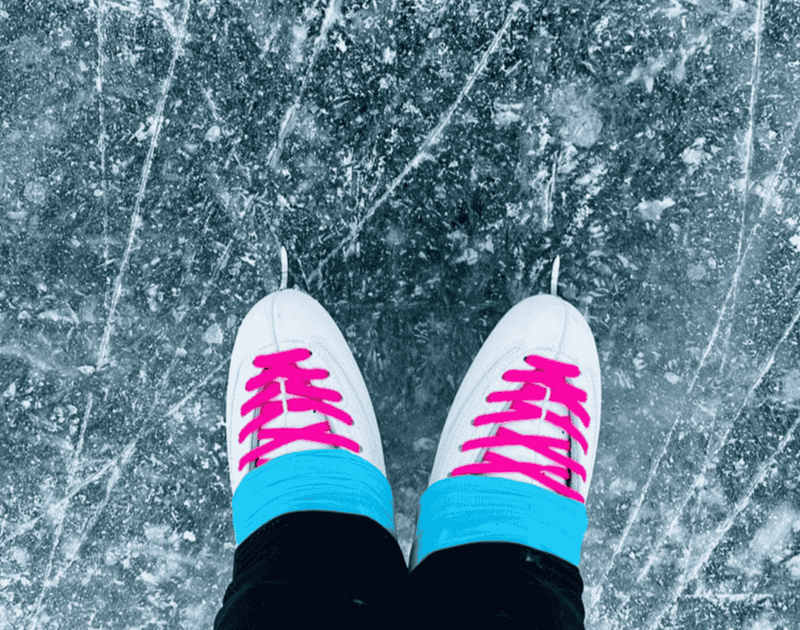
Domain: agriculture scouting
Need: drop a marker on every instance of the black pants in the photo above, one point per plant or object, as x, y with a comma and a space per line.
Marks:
319, 567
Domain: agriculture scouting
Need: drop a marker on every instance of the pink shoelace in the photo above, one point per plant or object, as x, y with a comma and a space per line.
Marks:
547, 375
281, 367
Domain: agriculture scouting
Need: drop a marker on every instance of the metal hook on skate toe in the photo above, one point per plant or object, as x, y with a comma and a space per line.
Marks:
554, 277
284, 268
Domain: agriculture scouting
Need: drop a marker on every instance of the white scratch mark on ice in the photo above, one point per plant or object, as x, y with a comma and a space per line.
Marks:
219, 266
222, 123
754, 80
747, 167
115, 464
38, 606
722, 529
135, 219
741, 255
788, 145
101, 63
89, 524
284, 268
548, 198
433, 137
331, 16
720, 442
62, 515
118, 461
79, 448
178, 405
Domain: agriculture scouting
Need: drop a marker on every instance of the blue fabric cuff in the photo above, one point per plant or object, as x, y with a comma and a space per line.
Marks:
334, 480
468, 509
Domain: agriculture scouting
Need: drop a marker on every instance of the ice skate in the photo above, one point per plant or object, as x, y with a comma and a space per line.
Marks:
528, 409
294, 387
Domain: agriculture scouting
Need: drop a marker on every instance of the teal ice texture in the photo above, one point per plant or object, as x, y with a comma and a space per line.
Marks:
332, 480
469, 509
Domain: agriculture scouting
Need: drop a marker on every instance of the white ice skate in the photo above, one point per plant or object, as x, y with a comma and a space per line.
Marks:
294, 386
528, 408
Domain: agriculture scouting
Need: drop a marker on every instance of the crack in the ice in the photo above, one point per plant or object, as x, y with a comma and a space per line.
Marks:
101, 62
117, 462
62, 516
422, 154
218, 266
549, 193
88, 526
331, 16
707, 464
635, 514
687, 577
37, 609
223, 125
748, 161
252, 247
121, 458
742, 255
700, 482
135, 218
754, 81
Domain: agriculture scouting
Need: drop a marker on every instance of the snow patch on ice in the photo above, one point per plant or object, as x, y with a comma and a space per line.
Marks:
793, 565
651, 210
423, 444
769, 543
794, 240
694, 155
621, 486
791, 385
672, 377
213, 335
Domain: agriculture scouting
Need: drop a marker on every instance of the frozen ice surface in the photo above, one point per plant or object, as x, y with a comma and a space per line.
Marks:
423, 162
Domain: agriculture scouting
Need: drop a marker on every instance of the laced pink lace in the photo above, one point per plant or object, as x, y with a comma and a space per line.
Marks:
547, 375
280, 372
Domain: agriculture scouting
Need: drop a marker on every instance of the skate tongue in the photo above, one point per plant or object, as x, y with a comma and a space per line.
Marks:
292, 420
525, 454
